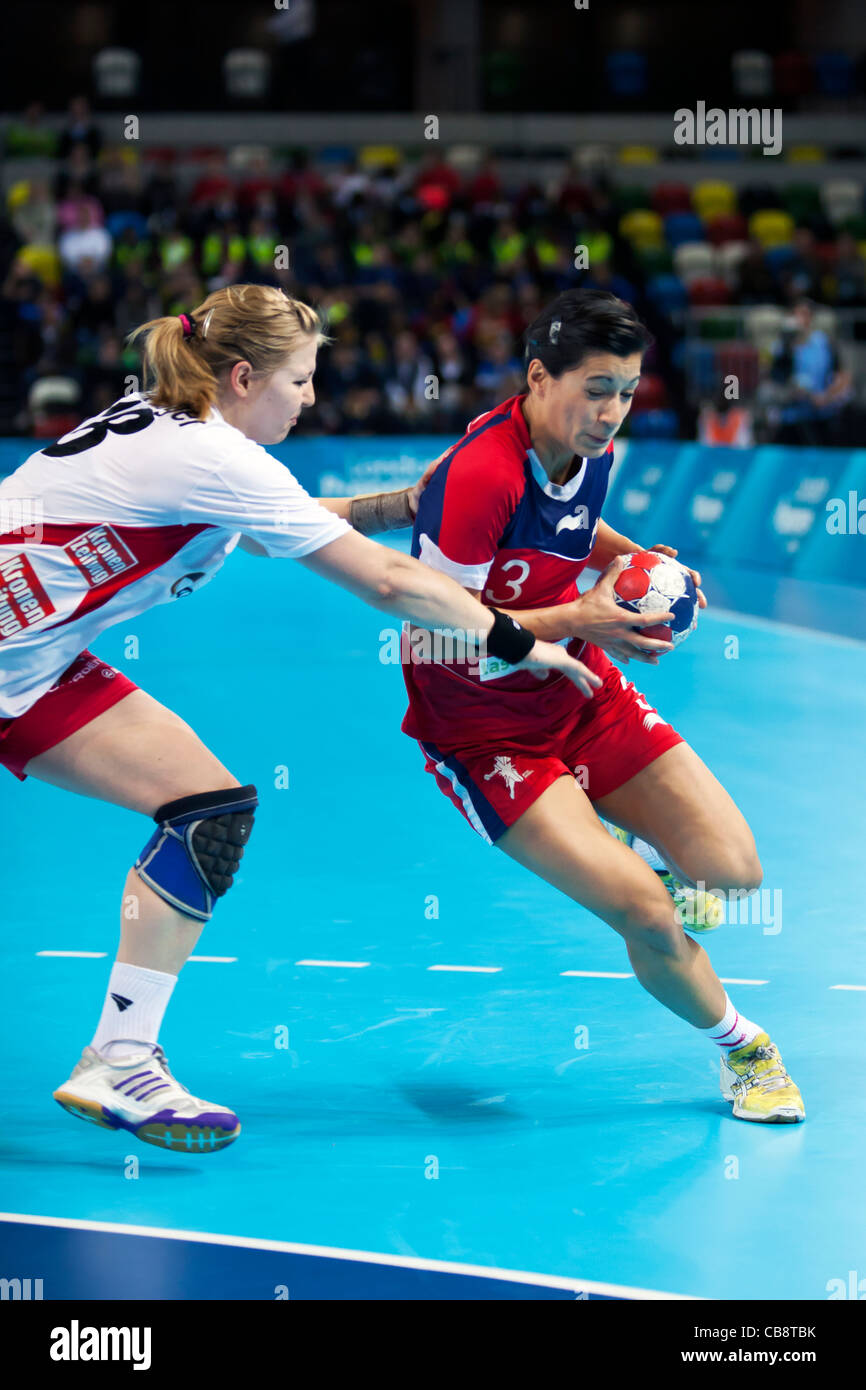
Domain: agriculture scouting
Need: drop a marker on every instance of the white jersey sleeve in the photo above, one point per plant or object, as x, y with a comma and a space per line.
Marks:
232, 482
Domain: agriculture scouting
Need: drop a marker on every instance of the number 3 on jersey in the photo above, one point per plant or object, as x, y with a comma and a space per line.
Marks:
515, 585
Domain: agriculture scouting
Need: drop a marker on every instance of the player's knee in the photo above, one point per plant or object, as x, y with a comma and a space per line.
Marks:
738, 867
192, 856
653, 925
176, 785
751, 873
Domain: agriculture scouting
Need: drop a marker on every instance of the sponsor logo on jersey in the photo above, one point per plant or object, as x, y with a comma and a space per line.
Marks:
100, 554
81, 674
23, 601
578, 522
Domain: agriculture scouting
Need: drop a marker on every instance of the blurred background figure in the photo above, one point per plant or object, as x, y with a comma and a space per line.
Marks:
725, 422
815, 387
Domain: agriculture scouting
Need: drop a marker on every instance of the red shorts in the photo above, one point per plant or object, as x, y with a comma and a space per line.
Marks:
86, 689
493, 787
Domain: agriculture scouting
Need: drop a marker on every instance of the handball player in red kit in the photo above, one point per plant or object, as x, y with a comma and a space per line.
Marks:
514, 514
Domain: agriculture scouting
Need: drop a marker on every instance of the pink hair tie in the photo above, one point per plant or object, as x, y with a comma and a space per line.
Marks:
188, 325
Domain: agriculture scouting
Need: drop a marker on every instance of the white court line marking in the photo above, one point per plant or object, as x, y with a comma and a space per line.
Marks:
462, 969
599, 974
348, 964
100, 955
514, 1276
617, 975
86, 955
469, 969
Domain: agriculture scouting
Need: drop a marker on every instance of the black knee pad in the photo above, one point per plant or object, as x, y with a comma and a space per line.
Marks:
191, 858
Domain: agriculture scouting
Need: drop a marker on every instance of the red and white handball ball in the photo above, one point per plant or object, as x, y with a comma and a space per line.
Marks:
654, 583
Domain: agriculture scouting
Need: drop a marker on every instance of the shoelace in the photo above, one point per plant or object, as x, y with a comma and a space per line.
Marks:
162, 1062
771, 1080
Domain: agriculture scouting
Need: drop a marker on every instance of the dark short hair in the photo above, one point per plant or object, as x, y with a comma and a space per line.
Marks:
579, 322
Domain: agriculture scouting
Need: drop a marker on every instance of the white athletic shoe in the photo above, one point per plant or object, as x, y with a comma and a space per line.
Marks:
137, 1092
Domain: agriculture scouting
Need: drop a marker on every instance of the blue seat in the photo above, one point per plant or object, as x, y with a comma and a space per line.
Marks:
834, 73
625, 73
683, 226
118, 222
667, 293
701, 369
777, 257
337, 154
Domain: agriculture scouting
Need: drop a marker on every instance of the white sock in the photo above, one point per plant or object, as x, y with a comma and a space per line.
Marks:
135, 1002
642, 847
733, 1030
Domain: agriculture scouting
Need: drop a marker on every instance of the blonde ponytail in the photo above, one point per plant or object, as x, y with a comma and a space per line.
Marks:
258, 324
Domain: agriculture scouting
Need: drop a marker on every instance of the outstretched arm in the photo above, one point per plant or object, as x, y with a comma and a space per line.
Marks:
595, 617
402, 586
369, 514
373, 512
376, 512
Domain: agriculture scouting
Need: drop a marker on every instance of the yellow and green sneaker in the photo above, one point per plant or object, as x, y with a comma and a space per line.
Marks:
698, 911
754, 1078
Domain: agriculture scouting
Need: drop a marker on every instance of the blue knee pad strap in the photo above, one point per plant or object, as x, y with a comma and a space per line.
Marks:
198, 843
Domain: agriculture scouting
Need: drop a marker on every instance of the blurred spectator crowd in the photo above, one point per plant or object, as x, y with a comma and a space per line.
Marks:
428, 273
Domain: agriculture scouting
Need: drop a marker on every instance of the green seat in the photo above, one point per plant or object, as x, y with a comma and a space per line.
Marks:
801, 200
655, 260
628, 197
855, 226
718, 328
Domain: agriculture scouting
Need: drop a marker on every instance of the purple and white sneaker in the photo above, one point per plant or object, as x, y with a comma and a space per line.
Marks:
137, 1092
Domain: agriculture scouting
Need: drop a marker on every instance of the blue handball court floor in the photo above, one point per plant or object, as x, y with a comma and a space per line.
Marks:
450, 1084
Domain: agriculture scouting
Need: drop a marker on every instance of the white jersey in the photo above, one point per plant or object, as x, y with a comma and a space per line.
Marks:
137, 506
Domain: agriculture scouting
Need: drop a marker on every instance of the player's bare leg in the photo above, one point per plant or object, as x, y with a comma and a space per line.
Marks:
684, 811
562, 840
138, 755
141, 756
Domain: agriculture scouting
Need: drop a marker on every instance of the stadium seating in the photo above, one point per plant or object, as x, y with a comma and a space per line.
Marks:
752, 73
716, 259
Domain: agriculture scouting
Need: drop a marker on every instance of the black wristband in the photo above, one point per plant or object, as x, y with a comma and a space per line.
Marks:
507, 639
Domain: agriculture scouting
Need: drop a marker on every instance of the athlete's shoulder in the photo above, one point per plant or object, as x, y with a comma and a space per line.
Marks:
212, 443
492, 446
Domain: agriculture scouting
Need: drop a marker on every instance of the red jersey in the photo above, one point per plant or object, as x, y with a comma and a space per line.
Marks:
491, 518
